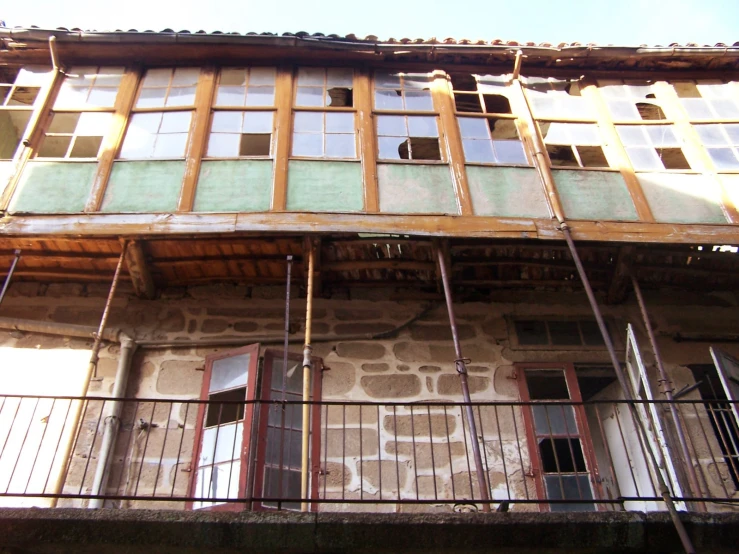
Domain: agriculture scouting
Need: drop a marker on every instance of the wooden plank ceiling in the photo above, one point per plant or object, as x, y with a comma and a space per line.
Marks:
352, 260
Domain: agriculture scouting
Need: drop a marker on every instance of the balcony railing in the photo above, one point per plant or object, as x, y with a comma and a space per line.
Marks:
389, 456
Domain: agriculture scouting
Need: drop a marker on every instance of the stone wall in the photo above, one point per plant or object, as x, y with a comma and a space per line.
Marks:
409, 453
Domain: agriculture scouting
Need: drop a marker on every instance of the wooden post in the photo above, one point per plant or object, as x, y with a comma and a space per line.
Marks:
282, 137
367, 148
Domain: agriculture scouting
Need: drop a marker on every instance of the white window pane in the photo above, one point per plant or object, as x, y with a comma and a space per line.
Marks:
170, 146
388, 100
223, 145
662, 135
574, 106
510, 152
260, 96
724, 158
387, 80
147, 123
733, 131
480, 151
93, 124
184, 76
309, 96
181, 96
308, 145
32, 76
418, 100
137, 145
308, 122
632, 136
231, 96
102, 97
221, 444
584, 134
157, 78
420, 126
233, 77
340, 146
221, 481
697, 108
71, 96
83, 76
229, 373
389, 147
311, 76
715, 90
491, 83
257, 122
711, 135
473, 127
544, 106
262, 76
226, 122
557, 133
623, 110
416, 82
339, 77
110, 76
392, 125
340, 123
612, 91
725, 108
644, 159
175, 122
151, 98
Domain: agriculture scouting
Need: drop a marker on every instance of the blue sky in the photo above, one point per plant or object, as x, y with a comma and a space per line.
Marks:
624, 22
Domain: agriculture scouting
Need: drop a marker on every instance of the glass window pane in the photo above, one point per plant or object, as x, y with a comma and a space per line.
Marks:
54, 147
157, 78
233, 77
257, 122
102, 97
392, 125
33, 76
137, 144
584, 134
93, 124
697, 108
480, 151
309, 96
221, 444
644, 159
557, 420
63, 123
228, 373
71, 95
221, 481
574, 487
310, 145
308, 122
223, 145
86, 147
175, 122
170, 146
510, 152
144, 123
388, 100
340, 146
231, 96
339, 122
260, 96
557, 133
311, 76
184, 76
183, 96
420, 100
733, 131
623, 110
151, 98
340, 77
416, 82
387, 80
473, 127
421, 126
724, 158
662, 135
632, 135
262, 76
23, 96
711, 135
727, 109
389, 147
226, 122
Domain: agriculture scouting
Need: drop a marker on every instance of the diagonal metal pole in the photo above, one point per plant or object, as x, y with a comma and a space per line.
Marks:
462, 371
10, 275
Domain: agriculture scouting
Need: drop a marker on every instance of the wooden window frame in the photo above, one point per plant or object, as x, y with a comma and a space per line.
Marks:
516, 345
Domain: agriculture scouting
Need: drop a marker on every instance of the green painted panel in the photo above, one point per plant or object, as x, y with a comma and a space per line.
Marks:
324, 186
144, 187
414, 188
594, 195
234, 186
507, 192
681, 198
54, 187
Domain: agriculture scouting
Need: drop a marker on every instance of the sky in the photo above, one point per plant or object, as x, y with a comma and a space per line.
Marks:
619, 22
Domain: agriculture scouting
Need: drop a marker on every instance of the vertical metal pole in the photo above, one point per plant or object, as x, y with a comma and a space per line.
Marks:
664, 491
692, 478
10, 275
462, 371
304, 474
91, 367
285, 346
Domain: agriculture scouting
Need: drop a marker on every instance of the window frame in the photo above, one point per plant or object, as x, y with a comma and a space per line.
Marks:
30, 109
517, 345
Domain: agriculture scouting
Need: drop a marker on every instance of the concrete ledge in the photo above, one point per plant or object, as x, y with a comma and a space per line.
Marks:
32, 531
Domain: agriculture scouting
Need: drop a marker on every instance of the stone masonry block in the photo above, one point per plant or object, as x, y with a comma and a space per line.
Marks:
391, 386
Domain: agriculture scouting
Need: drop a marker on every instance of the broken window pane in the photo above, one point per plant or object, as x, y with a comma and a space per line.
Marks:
562, 456
546, 384
86, 147
340, 97
325, 87
555, 420
495, 103
403, 91
673, 158
423, 148
562, 156
12, 128
255, 144
557, 98
54, 147
592, 156
650, 111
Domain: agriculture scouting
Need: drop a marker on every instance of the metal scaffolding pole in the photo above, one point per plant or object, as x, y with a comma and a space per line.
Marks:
10, 275
304, 473
462, 371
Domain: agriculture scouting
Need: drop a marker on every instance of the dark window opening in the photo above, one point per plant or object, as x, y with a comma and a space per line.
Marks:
341, 97
467, 103
23, 96
463, 81
8, 75
561, 456
562, 156
496, 103
565, 333
686, 89
220, 413
651, 112
531, 332
255, 144
419, 148
86, 147
558, 333
13, 125
503, 129
573, 88
592, 380
591, 333
592, 156
547, 384
54, 147
673, 158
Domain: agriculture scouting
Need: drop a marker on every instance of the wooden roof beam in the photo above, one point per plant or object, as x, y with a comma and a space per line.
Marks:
143, 284
620, 282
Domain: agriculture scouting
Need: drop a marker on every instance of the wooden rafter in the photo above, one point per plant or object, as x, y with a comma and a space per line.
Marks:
620, 282
143, 284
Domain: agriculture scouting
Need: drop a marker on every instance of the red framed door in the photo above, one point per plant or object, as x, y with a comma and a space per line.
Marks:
223, 435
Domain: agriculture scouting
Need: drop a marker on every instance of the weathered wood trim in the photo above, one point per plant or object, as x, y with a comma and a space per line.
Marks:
121, 115
367, 145
282, 136
34, 132
198, 137
195, 225
450, 141
619, 287
138, 269
615, 151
